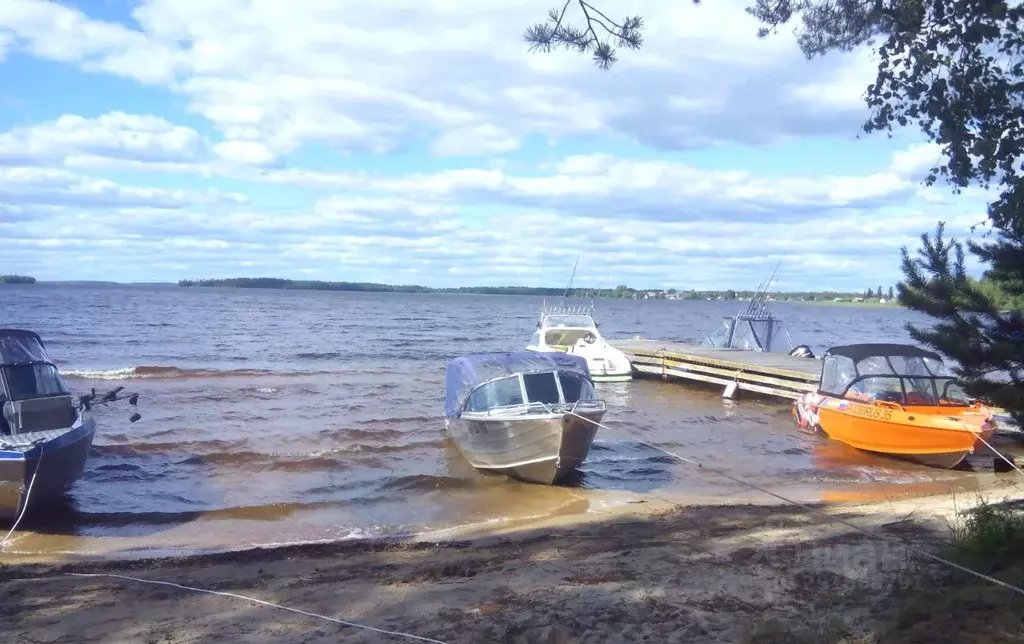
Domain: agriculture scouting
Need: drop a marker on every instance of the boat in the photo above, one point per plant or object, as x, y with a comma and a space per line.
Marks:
529, 415
572, 330
756, 328
897, 400
45, 434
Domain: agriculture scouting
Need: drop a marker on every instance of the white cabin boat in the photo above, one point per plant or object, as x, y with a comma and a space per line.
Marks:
572, 330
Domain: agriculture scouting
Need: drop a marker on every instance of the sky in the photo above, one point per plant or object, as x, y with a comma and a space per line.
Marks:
421, 142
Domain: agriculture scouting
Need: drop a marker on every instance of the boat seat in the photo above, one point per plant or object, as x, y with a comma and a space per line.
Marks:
917, 398
40, 414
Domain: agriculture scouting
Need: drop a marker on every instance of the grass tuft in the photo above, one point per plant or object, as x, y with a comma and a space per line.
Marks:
988, 538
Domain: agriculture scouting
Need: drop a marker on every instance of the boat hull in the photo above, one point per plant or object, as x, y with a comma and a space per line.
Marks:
56, 459
934, 436
606, 363
536, 448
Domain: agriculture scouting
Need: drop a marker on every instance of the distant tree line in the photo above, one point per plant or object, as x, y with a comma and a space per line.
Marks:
873, 294
318, 285
621, 291
17, 279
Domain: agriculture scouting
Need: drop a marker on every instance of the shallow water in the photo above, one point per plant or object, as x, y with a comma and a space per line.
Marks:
283, 416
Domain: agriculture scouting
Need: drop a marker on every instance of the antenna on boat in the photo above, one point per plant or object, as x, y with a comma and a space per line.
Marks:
565, 296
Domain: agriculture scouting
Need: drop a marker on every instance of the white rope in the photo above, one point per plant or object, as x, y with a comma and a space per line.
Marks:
922, 553
259, 601
977, 433
335, 620
28, 495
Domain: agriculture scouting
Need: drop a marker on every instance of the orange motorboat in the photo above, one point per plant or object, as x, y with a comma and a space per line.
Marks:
894, 399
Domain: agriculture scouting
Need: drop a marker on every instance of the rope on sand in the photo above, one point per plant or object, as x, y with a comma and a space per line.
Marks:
335, 620
870, 533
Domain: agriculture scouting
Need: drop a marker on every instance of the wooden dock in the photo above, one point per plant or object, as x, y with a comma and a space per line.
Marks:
772, 374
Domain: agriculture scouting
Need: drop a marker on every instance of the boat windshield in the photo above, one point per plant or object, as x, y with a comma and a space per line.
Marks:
906, 380
503, 392
24, 382
26, 371
494, 377
749, 333
549, 387
570, 321
564, 338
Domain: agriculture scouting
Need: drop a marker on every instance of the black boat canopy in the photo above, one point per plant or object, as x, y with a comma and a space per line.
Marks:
21, 347
874, 367
26, 371
858, 352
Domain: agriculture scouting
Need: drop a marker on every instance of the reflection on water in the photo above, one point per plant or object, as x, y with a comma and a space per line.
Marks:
289, 416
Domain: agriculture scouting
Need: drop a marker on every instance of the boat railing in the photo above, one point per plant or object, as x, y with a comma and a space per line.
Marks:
566, 309
539, 407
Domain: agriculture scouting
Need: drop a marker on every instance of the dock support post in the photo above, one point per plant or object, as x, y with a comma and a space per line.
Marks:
730, 390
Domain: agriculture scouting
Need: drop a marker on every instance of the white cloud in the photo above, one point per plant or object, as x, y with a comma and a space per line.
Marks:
273, 83
6, 41
382, 234
845, 87
55, 32
43, 187
114, 135
657, 189
917, 160
476, 140
361, 76
244, 152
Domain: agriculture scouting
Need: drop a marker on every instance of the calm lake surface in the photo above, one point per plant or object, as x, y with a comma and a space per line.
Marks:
283, 416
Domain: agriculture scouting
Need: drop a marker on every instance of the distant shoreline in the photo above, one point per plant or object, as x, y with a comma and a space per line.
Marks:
620, 292
865, 304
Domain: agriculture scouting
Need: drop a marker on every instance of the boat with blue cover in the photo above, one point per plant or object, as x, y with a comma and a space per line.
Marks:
530, 415
45, 434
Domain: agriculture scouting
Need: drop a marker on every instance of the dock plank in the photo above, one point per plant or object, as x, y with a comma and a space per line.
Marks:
772, 374
799, 368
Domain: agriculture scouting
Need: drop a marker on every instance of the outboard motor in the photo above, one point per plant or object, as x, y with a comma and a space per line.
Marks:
802, 351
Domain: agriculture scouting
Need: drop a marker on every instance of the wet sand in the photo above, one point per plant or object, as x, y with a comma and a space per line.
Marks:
648, 571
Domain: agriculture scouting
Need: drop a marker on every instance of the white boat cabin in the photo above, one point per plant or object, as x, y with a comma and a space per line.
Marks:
559, 329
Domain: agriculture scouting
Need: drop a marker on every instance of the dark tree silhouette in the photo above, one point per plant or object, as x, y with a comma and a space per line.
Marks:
595, 38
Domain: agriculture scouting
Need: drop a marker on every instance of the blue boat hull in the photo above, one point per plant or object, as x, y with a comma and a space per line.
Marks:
58, 456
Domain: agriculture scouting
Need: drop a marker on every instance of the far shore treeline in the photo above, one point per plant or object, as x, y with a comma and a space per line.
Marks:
17, 279
621, 291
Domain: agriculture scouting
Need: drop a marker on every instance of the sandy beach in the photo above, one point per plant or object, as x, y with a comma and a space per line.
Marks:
651, 573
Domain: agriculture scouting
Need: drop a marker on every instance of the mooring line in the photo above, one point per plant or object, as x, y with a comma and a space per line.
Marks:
977, 433
28, 495
299, 611
911, 548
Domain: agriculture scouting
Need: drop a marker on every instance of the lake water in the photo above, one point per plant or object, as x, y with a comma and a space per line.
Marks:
283, 416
